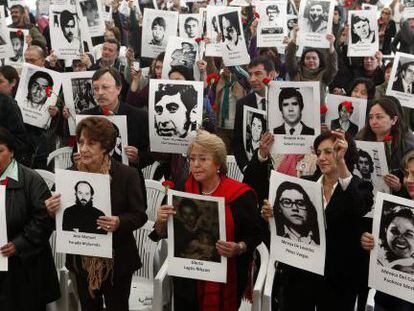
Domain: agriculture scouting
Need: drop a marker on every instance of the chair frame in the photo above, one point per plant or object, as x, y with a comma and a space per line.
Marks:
57, 154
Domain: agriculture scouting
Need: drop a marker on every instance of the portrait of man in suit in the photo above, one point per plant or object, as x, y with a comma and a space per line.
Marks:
404, 82
291, 106
82, 216
344, 122
365, 165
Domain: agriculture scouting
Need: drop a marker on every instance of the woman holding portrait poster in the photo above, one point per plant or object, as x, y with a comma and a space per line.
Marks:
207, 155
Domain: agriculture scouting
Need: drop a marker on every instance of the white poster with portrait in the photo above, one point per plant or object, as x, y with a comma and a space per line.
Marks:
120, 124
66, 32
315, 22
38, 89
297, 228
191, 25
175, 110
78, 94
6, 49
84, 198
242, 3
4, 262
391, 266
294, 121
401, 83
408, 12
254, 126
19, 44
169, 5
363, 37
91, 10
181, 52
213, 31
157, 27
372, 166
233, 48
193, 232
346, 113
272, 25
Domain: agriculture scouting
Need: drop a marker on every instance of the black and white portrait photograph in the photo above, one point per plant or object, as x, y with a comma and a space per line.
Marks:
233, 47
85, 197
408, 3
315, 21
170, 5
213, 31
181, 52
157, 27
38, 89
391, 267
91, 10
363, 33
272, 26
4, 263
297, 227
192, 236
401, 84
19, 44
190, 25
6, 49
291, 117
372, 166
254, 126
346, 113
175, 113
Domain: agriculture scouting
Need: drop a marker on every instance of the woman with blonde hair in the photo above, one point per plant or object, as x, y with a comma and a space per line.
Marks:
207, 156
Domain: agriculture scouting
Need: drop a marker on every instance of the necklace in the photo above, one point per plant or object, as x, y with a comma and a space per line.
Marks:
210, 192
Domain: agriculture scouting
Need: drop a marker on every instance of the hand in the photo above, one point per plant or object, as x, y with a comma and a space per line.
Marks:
132, 154
378, 56
338, 91
108, 223
53, 110
8, 250
53, 58
202, 65
29, 39
162, 216
331, 38
267, 210
53, 204
392, 181
130, 55
253, 27
265, 144
340, 145
85, 60
66, 112
135, 75
324, 128
228, 249
367, 241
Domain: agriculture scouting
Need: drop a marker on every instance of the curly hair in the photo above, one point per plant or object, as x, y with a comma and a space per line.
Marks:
98, 129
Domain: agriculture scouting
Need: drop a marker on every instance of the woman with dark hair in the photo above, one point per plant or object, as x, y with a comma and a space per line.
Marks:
346, 199
107, 277
386, 30
31, 280
9, 80
361, 88
295, 219
370, 67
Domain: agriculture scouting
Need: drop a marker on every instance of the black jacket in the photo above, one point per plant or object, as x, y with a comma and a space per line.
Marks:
306, 130
351, 131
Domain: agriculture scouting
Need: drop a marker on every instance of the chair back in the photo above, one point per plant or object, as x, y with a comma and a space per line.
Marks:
146, 250
48, 177
149, 170
233, 170
155, 195
62, 157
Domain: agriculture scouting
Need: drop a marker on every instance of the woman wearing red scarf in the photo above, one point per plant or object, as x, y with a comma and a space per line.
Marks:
207, 156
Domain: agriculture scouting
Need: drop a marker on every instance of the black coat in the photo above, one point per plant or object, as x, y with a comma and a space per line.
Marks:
351, 131
398, 86
31, 281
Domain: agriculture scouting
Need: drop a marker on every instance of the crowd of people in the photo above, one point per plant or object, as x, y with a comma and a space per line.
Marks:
120, 87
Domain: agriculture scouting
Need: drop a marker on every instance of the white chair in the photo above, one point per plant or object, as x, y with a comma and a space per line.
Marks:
370, 300
267, 293
233, 170
48, 177
155, 195
141, 296
149, 170
261, 276
62, 157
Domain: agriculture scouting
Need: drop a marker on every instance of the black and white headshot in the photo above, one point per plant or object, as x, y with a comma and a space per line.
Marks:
271, 23
90, 11
404, 79
40, 83
254, 127
196, 229
191, 27
173, 110
292, 20
82, 216
158, 32
83, 94
344, 121
291, 105
295, 215
17, 40
184, 56
365, 165
69, 26
230, 28
361, 31
316, 17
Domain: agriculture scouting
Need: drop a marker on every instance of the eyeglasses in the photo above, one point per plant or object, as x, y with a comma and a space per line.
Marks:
288, 203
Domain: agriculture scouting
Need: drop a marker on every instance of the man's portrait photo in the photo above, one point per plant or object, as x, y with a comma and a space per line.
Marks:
271, 23
255, 126
365, 165
404, 78
316, 17
186, 56
291, 106
191, 27
295, 217
37, 86
158, 32
174, 110
69, 26
361, 32
344, 122
230, 28
82, 216
90, 11
17, 40
196, 229
83, 94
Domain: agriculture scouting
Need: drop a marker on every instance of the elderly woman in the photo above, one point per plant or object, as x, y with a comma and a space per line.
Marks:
207, 156
346, 199
31, 280
97, 277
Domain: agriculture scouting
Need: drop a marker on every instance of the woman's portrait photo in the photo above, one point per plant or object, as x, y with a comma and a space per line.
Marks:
295, 215
397, 238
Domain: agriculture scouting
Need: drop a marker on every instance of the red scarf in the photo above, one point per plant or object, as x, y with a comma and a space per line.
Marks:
214, 296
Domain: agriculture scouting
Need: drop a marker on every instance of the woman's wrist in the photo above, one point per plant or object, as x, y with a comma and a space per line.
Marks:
242, 248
